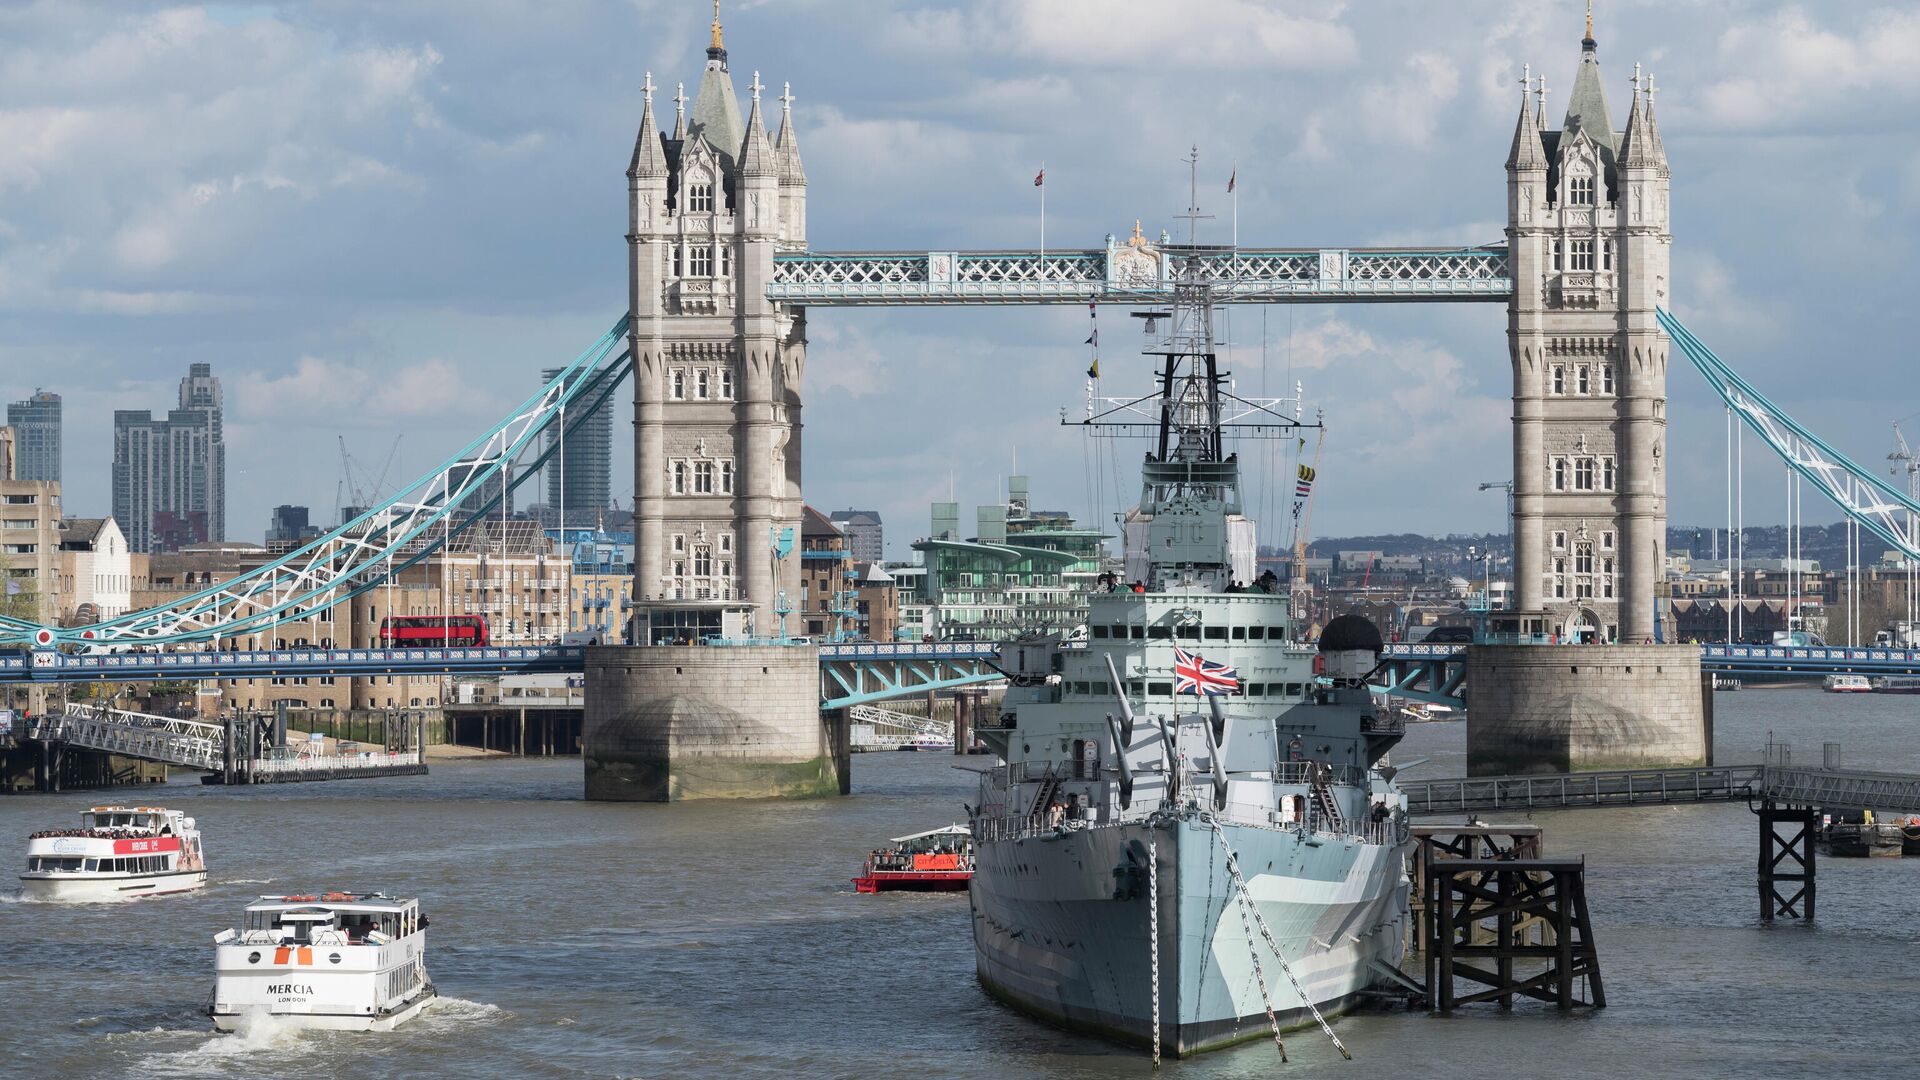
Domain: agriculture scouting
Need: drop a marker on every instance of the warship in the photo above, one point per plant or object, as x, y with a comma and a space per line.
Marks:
1191, 836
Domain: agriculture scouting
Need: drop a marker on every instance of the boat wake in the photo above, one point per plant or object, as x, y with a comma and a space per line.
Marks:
257, 1047
452, 1011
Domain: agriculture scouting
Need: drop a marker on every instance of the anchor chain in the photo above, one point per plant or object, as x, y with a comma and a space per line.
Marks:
1153, 932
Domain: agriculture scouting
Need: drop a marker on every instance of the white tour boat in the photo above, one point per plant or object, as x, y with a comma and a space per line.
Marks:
1847, 684
339, 961
118, 853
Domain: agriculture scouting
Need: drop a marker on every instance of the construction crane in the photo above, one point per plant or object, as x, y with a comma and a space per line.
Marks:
361, 497
1907, 462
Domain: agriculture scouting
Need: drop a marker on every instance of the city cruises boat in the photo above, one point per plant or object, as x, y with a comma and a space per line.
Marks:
117, 853
337, 961
1847, 684
1191, 838
1897, 684
936, 861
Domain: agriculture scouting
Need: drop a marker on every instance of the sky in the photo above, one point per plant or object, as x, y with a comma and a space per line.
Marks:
381, 220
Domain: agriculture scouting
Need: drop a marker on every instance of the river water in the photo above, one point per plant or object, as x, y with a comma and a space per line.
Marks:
725, 940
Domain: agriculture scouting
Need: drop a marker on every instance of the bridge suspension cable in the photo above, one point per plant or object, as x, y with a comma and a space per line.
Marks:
1859, 492
363, 553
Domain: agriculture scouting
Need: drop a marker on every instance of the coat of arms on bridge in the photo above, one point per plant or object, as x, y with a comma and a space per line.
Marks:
1134, 264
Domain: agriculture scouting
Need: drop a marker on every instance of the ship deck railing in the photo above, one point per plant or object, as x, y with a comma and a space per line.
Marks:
1393, 830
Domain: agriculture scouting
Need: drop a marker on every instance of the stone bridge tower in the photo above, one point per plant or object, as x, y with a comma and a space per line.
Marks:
1588, 230
717, 366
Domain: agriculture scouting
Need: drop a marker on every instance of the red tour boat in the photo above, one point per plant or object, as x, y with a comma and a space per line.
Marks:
937, 861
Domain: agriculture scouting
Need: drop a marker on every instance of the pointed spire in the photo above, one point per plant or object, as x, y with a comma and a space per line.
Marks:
1633, 144
1540, 101
648, 158
679, 112
756, 154
717, 46
1587, 104
1526, 152
791, 171
1655, 150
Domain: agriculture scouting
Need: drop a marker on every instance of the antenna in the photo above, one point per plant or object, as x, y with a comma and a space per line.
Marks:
1193, 214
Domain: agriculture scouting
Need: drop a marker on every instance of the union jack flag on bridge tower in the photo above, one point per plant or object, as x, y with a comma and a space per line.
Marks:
1195, 675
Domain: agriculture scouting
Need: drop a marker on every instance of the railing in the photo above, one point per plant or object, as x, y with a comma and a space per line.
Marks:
1127, 271
164, 739
306, 763
1623, 787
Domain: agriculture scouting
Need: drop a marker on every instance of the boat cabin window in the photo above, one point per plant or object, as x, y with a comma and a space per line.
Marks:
1159, 630
1216, 633
1137, 632
1188, 633
1160, 689
52, 863
1293, 689
1098, 630
1239, 633
1257, 633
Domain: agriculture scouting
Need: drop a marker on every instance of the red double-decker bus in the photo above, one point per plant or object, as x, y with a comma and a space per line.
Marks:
415, 630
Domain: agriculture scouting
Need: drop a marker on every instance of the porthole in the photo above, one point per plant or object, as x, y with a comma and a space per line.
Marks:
253, 958
333, 958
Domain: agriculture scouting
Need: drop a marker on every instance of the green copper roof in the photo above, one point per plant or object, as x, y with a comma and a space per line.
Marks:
716, 113
1587, 107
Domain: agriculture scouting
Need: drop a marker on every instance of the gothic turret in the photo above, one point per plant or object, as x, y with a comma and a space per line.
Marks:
791, 171
1640, 146
1526, 154
679, 112
649, 159
756, 153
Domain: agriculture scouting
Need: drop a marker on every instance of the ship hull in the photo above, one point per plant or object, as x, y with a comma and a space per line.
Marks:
1062, 928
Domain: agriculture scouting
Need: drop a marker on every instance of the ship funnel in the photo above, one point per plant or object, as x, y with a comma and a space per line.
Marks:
1126, 708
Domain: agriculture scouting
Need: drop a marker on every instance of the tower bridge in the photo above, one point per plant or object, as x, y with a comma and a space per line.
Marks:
722, 272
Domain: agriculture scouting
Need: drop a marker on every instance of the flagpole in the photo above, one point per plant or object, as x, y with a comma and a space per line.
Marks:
1234, 189
1043, 221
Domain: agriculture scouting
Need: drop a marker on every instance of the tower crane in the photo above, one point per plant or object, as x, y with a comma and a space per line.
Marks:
1907, 462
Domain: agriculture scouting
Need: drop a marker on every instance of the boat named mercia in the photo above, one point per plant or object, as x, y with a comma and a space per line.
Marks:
339, 961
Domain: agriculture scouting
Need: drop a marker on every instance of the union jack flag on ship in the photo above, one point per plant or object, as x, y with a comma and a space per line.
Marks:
1196, 675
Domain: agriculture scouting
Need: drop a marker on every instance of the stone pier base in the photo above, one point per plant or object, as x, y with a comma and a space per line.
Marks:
1578, 708
665, 723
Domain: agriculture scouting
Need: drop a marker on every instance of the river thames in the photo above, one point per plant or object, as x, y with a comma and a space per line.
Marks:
725, 940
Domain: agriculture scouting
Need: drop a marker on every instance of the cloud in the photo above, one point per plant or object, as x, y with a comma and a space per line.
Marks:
1787, 70
1229, 34
361, 395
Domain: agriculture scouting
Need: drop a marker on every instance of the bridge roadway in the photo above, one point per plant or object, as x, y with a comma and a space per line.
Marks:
1804, 661
1787, 785
52, 666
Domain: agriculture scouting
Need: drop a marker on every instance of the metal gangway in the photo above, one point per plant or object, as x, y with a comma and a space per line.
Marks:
1786, 784
186, 743
890, 730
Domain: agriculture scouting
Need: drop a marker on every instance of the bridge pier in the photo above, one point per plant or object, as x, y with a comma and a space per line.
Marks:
1580, 708
665, 723
1786, 860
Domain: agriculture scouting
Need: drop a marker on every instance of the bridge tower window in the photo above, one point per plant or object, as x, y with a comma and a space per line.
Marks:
1606, 377
700, 260
1559, 378
700, 197
1559, 474
1580, 254
1583, 380
1580, 190
1583, 474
